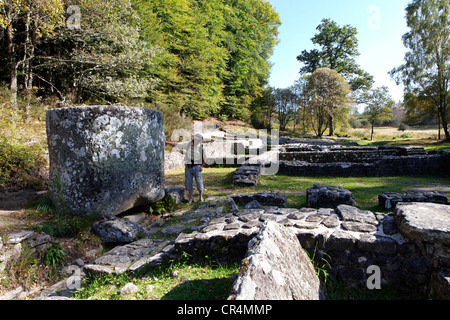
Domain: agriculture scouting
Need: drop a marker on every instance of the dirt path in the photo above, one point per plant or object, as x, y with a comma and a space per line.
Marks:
12, 205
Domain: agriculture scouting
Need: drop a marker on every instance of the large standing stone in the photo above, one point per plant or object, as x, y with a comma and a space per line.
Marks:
276, 268
105, 159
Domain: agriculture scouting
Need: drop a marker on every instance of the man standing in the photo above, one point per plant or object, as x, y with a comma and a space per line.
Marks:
194, 163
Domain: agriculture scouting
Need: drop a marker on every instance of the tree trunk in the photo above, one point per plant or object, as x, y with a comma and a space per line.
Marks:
12, 67
439, 127
331, 129
443, 114
27, 67
371, 135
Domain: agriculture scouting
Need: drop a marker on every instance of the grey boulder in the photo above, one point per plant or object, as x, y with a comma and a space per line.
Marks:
105, 159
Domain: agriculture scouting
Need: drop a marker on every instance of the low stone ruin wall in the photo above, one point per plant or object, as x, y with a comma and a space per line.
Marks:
351, 154
389, 200
267, 198
410, 248
351, 240
247, 176
387, 166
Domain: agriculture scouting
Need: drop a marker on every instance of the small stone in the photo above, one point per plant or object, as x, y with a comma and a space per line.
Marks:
350, 213
314, 218
232, 226
129, 288
331, 221
252, 224
253, 205
296, 216
389, 226
359, 227
79, 262
173, 230
150, 288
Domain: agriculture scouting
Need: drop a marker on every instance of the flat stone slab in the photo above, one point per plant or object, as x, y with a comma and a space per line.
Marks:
424, 221
276, 268
389, 200
130, 257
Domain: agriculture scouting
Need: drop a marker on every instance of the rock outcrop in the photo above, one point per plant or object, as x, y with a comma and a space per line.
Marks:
424, 221
276, 268
329, 197
389, 200
105, 159
117, 230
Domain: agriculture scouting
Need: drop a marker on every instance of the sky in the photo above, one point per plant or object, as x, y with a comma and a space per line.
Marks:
380, 24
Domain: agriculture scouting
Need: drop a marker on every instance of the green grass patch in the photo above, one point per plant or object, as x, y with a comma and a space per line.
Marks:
58, 223
183, 279
364, 189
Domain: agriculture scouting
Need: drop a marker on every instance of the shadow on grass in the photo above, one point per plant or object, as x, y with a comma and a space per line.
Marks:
211, 289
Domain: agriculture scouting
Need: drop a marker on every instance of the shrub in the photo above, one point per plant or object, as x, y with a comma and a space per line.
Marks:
403, 127
55, 255
166, 205
23, 158
61, 223
21, 166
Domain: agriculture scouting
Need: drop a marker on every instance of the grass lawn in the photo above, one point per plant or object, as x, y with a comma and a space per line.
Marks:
183, 279
365, 189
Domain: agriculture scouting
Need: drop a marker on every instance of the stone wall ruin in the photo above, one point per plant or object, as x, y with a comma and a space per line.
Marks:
410, 246
351, 239
363, 161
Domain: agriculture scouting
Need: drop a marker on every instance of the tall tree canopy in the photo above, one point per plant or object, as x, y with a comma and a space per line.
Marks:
426, 71
215, 53
328, 99
338, 49
197, 58
23, 23
379, 104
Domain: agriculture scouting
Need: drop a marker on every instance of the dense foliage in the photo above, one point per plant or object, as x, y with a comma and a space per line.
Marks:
193, 57
426, 71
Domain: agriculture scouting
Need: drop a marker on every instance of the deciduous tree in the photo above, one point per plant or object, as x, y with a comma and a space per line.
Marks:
39, 18
338, 50
379, 105
426, 71
328, 98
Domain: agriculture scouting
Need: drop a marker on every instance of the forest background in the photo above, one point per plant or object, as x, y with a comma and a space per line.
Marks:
194, 59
